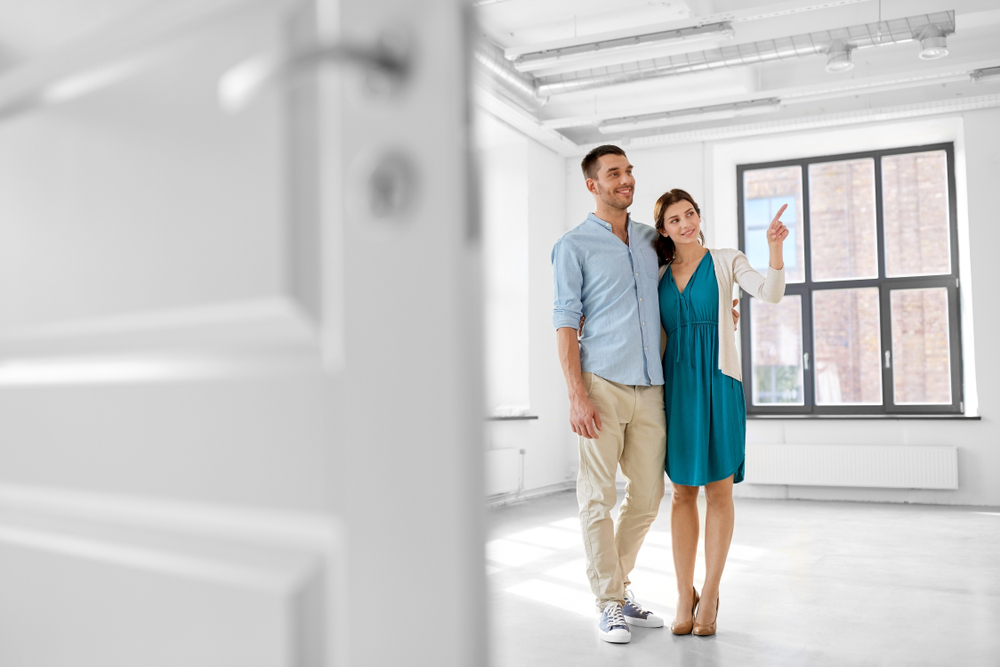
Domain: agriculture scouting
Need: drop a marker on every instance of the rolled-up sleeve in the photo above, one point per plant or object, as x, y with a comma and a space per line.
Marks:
567, 276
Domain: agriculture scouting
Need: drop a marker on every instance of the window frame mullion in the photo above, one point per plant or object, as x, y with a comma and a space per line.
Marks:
884, 315
808, 377
884, 284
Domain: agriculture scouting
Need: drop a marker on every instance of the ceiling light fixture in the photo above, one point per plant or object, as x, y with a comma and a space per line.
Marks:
893, 31
933, 43
528, 62
838, 57
694, 115
985, 75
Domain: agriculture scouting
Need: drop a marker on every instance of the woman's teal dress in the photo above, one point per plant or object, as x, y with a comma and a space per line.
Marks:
706, 412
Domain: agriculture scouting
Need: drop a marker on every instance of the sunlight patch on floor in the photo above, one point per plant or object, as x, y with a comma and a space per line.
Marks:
572, 523
657, 538
573, 571
553, 538
568, 599
507, 552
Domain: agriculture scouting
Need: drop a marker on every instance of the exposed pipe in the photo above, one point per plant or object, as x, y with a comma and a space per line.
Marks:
538, 59
860, 36
520, 88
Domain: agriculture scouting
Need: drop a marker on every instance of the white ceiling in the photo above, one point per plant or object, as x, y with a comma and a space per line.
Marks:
884, 76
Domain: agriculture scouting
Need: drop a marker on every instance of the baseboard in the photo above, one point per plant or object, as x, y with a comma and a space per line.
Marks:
501, 499
851, 494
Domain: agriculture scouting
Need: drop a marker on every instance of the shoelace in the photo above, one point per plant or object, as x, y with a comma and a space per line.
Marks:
615, 615
630, 599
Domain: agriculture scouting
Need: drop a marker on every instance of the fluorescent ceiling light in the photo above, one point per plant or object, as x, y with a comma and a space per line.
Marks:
838, 57
695, 115
537, 60
985, 75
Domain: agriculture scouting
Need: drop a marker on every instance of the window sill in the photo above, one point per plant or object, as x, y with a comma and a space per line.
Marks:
511, 418
883, 417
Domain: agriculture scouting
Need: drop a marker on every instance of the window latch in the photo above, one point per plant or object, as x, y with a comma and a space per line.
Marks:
805, 361
888, 356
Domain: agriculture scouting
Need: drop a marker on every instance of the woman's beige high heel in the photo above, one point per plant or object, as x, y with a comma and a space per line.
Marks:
707, 629
685, 628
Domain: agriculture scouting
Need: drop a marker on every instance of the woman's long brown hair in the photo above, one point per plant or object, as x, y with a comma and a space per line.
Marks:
663, 244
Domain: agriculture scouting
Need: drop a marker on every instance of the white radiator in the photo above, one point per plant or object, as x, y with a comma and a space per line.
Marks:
503, 471
881, 466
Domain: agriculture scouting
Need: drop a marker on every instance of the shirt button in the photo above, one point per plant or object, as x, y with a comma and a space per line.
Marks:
646, 348
643, 324
640, 298
637, 275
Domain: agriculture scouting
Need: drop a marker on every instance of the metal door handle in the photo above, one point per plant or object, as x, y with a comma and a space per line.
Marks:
389, 58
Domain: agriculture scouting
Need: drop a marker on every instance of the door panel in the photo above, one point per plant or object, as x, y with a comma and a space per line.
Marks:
239, 351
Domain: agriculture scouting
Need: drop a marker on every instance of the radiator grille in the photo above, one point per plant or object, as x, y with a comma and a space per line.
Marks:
880, 466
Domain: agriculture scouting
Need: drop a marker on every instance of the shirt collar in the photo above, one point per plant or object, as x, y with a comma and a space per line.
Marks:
607, 225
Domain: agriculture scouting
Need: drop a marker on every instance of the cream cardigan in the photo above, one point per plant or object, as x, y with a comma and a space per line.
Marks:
733, 266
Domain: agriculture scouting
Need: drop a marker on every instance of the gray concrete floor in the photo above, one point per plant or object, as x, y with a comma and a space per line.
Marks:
807, 583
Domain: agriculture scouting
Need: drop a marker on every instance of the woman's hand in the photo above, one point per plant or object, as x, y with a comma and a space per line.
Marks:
776, 235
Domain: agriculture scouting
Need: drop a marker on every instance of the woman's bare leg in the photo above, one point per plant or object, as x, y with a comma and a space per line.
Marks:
684, 538
719, 519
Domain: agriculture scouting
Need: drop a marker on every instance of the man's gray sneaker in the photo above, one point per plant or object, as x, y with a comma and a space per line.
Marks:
635, 615
612, 626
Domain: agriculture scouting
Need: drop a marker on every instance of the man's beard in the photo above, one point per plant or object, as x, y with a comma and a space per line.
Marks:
614, 201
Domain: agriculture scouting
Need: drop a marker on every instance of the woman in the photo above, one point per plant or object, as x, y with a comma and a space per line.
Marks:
702, 392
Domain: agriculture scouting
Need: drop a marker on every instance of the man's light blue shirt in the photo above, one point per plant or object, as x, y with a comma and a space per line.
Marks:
615, 287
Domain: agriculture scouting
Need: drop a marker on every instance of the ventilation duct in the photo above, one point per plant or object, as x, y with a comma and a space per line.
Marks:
520, 88
861, 36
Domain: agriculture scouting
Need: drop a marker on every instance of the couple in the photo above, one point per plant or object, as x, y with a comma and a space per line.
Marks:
683, 415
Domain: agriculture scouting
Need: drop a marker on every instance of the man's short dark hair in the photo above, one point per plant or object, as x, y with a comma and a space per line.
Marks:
589, 164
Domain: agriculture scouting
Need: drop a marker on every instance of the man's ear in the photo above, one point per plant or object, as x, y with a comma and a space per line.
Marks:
591, 186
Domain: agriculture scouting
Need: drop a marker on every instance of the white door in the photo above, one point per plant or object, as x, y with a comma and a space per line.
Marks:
239, 336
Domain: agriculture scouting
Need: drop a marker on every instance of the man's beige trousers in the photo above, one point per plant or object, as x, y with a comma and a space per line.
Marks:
633, 435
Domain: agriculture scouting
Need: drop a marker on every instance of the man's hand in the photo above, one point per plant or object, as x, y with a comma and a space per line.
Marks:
736, 315
583, 417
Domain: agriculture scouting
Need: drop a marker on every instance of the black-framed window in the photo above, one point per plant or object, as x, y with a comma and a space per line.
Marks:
869, 323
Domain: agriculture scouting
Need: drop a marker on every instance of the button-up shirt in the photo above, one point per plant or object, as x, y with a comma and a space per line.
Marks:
615, 286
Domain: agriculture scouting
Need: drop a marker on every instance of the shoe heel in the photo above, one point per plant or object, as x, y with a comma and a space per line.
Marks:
686, 628
708, 629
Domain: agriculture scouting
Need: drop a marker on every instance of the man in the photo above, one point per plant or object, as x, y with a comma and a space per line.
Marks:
606, 269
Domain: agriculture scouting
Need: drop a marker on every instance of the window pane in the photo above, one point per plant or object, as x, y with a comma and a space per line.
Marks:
842, 220
776, 352
915, 208
764, 192
920, 351
848, 345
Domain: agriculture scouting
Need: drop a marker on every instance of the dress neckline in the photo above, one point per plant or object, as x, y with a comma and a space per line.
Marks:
681, 292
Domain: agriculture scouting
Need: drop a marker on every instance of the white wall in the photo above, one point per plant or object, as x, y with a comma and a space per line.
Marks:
655, 171
708, 171
502, 158
526, 179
